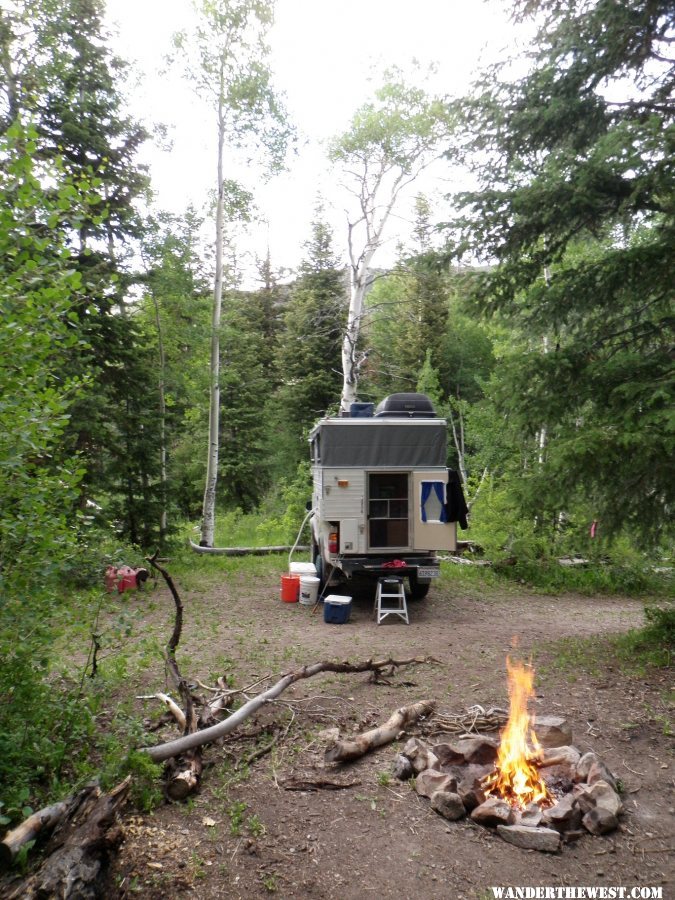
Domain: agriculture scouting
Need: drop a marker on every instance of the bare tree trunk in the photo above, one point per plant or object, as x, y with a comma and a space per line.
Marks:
209, 507
351, 360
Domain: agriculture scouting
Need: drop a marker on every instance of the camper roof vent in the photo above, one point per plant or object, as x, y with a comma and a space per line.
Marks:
406, 406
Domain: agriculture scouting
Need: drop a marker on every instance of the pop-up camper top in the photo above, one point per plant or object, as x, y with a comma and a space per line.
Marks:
379, 492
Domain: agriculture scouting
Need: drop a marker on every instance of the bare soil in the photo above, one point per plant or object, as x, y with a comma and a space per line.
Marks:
247, 836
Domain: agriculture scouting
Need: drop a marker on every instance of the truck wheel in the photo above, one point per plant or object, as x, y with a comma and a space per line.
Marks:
318, 565
418, 590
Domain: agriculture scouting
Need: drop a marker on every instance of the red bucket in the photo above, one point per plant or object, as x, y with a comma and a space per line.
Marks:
290, 588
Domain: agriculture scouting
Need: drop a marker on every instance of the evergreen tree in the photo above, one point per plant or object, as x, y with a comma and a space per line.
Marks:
576, 206
63, 77
175, 311
308, 359
243, 468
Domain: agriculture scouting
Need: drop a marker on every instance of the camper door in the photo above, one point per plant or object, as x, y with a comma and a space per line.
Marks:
431, 530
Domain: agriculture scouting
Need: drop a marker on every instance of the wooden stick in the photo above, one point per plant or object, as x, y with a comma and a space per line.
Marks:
208, 735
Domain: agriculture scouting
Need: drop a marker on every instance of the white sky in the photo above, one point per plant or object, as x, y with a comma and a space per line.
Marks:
324, 53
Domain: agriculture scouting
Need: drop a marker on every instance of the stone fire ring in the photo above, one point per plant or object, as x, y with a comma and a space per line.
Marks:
450, 775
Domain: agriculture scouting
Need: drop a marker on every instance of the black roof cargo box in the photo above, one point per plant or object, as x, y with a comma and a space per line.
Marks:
406, 406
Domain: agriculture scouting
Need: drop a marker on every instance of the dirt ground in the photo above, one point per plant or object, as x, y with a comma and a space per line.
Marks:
247, 836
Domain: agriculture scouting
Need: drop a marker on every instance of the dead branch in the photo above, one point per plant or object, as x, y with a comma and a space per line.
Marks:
208, 735
475, 720
82, 846
178, 621
344, 751
170, 704
182, 776
302, 784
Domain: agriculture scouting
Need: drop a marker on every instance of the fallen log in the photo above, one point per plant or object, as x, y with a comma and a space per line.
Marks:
245, 551
208, 735
35, 826
346, 750
73, 869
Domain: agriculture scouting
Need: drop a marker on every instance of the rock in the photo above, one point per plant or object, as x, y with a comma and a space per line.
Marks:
402, 768
430, 781
599, 772
470, 789
565, 815
599, 821
530, 816
552, 731
545, 839
568, 756
493, 812
419, 755
565, 768
448, 804
448, 756
583, 767
599, 795
475, 749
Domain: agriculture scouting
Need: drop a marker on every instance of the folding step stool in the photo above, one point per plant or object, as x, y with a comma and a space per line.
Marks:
390, 599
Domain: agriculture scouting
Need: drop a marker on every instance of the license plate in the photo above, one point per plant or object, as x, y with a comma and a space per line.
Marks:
428, 573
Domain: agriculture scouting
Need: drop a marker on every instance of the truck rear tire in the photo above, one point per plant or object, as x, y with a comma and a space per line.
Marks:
318, 565
418, 590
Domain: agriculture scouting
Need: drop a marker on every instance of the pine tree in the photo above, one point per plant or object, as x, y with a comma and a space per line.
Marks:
576, 202
66, 80
308, 359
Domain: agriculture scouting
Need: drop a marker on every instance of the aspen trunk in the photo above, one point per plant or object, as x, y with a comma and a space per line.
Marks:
209, 506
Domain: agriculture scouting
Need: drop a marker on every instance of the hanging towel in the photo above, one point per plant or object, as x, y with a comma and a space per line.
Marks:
455, 506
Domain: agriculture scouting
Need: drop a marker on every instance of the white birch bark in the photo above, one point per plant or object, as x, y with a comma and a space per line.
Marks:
209, 505
372, 221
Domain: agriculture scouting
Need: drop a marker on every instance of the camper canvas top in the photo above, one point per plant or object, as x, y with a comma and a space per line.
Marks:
379, 442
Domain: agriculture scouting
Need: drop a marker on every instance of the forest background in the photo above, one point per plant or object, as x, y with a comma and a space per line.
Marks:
538, 316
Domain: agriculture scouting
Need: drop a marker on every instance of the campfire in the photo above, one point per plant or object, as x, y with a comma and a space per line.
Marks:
516, 777
532, 785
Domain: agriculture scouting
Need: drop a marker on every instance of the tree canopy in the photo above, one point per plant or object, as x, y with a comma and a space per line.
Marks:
574, 218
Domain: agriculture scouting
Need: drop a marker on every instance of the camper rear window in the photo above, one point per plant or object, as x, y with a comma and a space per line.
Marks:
432, 502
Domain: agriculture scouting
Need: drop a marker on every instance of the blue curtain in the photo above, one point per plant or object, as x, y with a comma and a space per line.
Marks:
426, 493
438, 485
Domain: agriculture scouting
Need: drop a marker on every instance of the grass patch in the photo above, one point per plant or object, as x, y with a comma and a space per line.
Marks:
652, 646
549, 577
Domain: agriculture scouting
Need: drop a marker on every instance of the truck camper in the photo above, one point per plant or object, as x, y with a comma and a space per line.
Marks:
380, 493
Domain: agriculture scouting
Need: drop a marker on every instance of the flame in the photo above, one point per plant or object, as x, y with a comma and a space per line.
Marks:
515, 778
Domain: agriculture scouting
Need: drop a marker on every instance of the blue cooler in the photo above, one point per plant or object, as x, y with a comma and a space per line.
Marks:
336, 609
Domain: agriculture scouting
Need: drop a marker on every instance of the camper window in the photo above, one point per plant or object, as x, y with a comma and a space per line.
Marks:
432, 502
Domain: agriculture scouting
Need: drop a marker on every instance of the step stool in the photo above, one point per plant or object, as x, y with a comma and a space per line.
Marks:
390, 599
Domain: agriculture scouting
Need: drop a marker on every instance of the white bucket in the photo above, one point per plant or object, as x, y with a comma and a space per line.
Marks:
300, 568
309, 589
